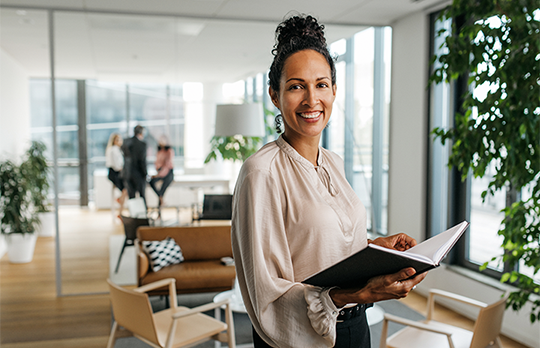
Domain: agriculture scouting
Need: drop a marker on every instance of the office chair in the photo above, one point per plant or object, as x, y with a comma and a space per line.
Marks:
170, 328
434, 334
130, 229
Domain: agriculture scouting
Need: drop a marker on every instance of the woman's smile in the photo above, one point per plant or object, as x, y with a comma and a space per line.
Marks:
311, 116
305, 96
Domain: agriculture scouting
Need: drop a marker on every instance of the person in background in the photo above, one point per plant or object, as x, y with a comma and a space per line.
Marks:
295, 214
135, 171
164, 165
114, 160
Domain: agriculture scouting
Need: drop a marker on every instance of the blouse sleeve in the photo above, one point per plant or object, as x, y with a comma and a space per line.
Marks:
285, 313
117, 158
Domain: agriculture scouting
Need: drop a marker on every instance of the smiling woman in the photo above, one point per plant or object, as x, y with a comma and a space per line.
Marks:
294, 212
305, 100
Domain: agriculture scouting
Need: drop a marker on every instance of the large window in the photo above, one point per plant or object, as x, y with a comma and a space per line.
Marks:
451, 200
110, 107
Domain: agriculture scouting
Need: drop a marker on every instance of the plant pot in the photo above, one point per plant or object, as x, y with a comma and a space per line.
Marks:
21, 247
47, 226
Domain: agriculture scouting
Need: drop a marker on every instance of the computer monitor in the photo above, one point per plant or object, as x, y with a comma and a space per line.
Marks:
217, 207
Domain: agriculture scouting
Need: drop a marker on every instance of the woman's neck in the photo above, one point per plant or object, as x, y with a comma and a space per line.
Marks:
306, 147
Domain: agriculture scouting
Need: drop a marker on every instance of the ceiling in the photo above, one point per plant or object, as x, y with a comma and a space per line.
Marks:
172, 41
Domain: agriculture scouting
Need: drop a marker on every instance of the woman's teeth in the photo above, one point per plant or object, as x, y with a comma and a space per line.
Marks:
310, 115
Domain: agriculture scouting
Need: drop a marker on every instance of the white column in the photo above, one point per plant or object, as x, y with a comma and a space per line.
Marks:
14, 109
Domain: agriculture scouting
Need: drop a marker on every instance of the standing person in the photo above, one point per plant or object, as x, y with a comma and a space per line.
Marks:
164, 165
114, 160
135, 171
295, 214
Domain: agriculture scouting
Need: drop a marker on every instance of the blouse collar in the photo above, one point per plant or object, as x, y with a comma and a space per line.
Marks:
289, 150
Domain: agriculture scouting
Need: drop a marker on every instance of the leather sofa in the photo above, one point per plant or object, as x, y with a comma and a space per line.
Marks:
202, 248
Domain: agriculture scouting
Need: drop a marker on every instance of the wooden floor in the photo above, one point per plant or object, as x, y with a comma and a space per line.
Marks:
32, 315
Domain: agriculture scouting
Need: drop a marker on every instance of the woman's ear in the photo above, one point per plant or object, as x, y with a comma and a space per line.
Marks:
274, 97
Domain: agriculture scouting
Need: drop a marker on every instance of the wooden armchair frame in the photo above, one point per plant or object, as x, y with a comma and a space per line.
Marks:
486, 329
169, 328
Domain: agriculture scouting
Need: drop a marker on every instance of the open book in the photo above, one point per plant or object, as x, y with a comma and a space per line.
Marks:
374, 260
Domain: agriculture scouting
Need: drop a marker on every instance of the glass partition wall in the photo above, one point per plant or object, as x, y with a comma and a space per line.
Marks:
90, 106
104, 83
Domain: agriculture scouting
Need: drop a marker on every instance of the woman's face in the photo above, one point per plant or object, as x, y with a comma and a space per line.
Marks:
118, 141
306, 95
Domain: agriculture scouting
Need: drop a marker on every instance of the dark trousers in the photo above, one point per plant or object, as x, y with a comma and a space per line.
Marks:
166, 181
351, 333
135, 185
116, 179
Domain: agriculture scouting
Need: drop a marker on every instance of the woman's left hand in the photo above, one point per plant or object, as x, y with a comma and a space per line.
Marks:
399, 241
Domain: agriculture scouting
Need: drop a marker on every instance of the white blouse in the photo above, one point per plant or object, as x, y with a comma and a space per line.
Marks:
291, 220
114, 158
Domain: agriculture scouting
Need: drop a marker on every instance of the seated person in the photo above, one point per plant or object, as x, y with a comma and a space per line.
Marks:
164, 166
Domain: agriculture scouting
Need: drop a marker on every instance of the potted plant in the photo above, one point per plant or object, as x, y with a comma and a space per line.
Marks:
37, 171
17, 222
495, 44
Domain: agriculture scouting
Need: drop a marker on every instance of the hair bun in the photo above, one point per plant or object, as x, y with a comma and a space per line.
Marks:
296, 34
296, 29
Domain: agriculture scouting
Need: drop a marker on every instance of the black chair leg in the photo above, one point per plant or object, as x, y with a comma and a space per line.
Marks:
120, 257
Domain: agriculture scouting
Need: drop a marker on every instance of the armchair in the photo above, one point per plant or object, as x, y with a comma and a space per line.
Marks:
434, 334
170, 328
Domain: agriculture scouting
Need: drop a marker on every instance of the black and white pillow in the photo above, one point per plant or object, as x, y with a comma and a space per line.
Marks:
163, 253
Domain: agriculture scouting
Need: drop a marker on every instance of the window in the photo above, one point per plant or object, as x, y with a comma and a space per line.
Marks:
358, 129
451, 200
110, 107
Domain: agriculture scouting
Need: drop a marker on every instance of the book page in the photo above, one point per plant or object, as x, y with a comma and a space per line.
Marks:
438, 246
413, 256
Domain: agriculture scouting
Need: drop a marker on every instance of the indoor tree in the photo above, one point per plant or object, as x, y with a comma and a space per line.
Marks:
496, 44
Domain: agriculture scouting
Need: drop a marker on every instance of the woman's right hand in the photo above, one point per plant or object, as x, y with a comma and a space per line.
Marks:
387, 287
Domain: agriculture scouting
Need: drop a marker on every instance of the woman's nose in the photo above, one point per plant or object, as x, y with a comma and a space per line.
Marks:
310, 97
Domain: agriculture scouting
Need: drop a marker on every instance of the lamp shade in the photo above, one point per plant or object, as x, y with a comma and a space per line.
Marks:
239, 119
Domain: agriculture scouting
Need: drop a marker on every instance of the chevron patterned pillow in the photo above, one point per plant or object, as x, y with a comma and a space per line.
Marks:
163, 253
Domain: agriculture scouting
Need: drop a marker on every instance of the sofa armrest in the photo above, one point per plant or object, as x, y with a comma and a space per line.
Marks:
144, 264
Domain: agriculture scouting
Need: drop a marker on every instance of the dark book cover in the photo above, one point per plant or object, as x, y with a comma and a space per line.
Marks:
374, 260
356, 270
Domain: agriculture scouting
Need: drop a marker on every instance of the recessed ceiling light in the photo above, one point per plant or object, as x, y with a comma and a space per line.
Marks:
21, 12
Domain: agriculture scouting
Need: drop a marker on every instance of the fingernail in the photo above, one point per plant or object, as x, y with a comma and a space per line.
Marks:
410, 272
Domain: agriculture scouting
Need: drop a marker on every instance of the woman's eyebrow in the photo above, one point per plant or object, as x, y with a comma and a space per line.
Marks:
302, 80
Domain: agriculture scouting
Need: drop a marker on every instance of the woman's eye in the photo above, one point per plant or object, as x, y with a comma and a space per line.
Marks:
295, 87
323, 85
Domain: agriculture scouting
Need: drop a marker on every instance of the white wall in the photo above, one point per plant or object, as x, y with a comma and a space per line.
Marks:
14, 113
14, 108
407, 174
407, 204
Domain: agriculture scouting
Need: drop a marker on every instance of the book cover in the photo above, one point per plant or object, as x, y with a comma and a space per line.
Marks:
356, 270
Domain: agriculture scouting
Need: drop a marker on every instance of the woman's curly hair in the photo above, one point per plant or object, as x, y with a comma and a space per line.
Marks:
296, 34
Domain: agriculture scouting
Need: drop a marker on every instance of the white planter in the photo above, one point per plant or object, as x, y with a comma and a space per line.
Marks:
47, 228
21, 247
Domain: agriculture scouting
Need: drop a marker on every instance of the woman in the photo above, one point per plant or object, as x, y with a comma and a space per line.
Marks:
294, 213
164, 165
114, 160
